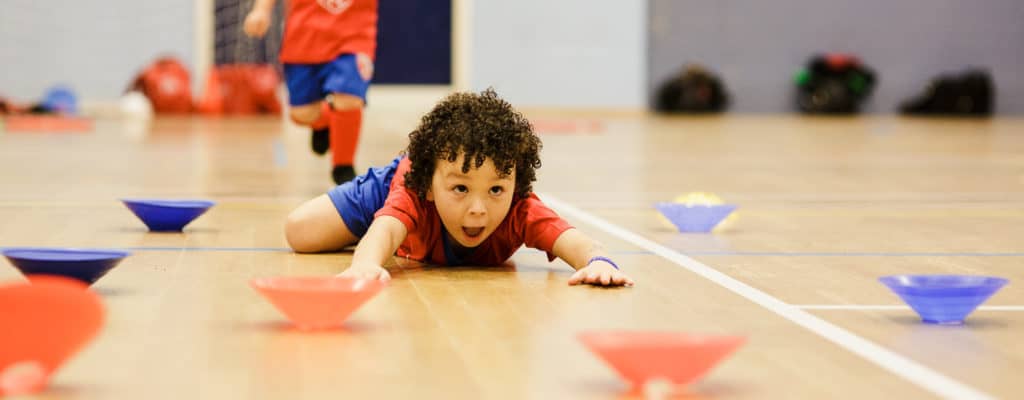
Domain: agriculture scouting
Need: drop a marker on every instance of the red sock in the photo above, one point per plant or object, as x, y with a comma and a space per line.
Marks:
345, 126
323, 121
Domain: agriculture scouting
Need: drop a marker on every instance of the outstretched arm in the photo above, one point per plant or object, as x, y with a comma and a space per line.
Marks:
381, 240
589, 259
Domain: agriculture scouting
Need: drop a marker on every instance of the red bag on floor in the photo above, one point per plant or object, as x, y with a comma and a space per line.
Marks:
167, 84
241, 89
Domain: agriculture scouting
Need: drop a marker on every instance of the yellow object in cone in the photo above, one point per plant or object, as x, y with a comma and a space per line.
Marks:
694, 199
698, 199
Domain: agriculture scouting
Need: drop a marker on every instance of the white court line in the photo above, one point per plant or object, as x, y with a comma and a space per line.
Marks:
918, 374
883, 308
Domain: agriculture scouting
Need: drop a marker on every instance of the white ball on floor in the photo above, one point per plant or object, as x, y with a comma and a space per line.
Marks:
134, 104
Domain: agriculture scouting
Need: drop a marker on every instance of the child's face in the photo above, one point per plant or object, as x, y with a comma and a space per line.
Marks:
472, 204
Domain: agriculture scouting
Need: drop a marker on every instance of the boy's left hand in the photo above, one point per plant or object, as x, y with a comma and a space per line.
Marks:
600, 274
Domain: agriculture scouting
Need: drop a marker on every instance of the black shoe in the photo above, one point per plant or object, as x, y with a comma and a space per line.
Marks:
321, 141
343, 173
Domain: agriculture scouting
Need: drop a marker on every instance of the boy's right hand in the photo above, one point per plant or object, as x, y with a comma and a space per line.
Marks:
366, 272
256, 23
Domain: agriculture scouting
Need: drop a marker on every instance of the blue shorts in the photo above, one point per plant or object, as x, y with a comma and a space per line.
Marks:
309, 83
357, 200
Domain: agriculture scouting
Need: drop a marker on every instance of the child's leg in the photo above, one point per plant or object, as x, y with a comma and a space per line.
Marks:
318, 117
347, 79
316, 226
345, 124
338, 219
304, 95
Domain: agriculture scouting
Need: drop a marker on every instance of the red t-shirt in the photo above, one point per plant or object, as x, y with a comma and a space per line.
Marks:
318, 31
528, 222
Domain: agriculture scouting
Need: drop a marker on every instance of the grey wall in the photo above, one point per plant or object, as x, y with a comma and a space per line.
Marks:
564, 53
757, 45
96, 47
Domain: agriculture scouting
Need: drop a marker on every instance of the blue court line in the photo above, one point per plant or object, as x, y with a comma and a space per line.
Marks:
280, 156
172, 248
214, 249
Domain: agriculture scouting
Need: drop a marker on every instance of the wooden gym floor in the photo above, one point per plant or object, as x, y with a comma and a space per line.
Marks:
826, 206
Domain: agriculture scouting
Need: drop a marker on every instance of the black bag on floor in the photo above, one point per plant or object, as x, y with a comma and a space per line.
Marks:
694, 90
970, 93
833, 84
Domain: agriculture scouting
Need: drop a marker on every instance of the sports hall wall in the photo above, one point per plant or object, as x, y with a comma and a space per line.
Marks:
578, 53
564, 53
94, 46
536, 52
756, 46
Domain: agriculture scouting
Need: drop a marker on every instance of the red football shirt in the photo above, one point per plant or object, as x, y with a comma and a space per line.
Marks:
528, 222
318, 31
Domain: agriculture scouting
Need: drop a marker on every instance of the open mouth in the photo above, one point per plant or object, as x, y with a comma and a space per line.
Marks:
473, 232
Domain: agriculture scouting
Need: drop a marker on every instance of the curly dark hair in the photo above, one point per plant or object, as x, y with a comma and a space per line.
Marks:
479, 126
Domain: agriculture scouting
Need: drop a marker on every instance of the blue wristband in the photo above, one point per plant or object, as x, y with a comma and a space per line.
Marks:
602, 258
